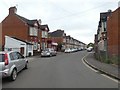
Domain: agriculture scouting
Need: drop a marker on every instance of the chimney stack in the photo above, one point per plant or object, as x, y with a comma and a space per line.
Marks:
12, 10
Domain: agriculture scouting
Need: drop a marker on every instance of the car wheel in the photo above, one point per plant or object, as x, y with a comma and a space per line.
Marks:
50, 55
13, 75
26, 66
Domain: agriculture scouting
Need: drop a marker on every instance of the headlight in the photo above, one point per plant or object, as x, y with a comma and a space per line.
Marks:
48, 53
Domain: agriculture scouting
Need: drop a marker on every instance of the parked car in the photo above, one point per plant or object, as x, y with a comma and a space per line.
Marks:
12, 62
74, 50
89, 49
68, 50
48, 52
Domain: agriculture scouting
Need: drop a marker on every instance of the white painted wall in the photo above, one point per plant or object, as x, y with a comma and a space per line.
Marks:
15, 45
29, 50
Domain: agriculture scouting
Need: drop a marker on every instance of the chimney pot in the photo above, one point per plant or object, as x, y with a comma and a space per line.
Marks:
12, 10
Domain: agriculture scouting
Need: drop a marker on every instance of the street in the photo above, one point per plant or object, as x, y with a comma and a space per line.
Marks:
66, 70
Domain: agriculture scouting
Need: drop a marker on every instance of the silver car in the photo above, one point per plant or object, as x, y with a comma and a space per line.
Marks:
48, 52
11, 63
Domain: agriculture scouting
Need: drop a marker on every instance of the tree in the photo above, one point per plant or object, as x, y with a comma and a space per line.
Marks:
90, 45
59, 47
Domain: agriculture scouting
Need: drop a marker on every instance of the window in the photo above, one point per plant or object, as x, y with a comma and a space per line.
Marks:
35, 46
2, 57
33, 31
11, 56
15, 56
44, 34
19, 55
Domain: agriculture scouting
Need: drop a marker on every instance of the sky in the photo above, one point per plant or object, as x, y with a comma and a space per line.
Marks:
78, 18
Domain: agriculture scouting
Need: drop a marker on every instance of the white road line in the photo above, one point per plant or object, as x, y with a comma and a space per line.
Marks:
98, 71
89, 66
110, 78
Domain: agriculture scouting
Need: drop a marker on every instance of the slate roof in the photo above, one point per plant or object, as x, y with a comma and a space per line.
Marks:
103, 16
57, 33
42, 27
29, 22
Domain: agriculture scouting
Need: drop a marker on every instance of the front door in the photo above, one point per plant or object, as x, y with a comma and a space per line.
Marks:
22, 50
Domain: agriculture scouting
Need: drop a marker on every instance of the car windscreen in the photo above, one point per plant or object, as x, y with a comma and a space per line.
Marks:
2, 57
46, 49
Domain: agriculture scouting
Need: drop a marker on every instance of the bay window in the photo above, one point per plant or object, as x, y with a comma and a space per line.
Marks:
33, 31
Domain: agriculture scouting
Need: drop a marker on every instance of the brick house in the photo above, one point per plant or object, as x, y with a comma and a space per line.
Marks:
17, 26
113, 33
102, 31
73, 43
58, 37
106, 40
100, 42
44, 29
63, 41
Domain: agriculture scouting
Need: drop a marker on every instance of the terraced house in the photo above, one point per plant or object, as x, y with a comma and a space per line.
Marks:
74, 43
64, 41
44, 29
22, 28
106, 40
58, 37
113, 34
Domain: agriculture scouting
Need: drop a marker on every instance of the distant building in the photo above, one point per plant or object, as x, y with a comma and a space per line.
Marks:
63, 41
58, 37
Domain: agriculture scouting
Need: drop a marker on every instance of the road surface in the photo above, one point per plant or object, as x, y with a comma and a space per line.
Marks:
66, 70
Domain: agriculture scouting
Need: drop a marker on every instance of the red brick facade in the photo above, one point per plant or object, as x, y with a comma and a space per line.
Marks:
57, 39
16, 26
113, 33
13, 26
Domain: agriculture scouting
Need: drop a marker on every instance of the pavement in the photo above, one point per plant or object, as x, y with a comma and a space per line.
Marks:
108, 69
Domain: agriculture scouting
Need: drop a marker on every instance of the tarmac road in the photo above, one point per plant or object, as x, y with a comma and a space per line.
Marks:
66, 70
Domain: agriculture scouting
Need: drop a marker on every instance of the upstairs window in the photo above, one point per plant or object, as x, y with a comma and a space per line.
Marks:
44, 34
33, 31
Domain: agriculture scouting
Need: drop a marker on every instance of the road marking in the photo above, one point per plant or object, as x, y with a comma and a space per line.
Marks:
115, 80
110, 78
88, 65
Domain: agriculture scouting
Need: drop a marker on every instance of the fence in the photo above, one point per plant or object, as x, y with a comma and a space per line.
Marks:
103, 56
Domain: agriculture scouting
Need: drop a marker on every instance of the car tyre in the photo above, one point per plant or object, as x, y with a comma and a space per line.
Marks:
26, 65
13, 75
50, 55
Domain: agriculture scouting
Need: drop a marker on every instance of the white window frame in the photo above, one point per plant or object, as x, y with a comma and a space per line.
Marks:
33, 31
44, 34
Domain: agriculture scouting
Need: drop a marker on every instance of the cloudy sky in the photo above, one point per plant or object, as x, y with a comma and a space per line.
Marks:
78, 18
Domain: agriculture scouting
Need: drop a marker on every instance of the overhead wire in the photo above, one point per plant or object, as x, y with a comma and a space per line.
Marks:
77, 13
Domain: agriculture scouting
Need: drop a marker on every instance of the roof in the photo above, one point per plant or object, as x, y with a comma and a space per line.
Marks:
22, 40
29, 22
44, 26
104, 15
57, 33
